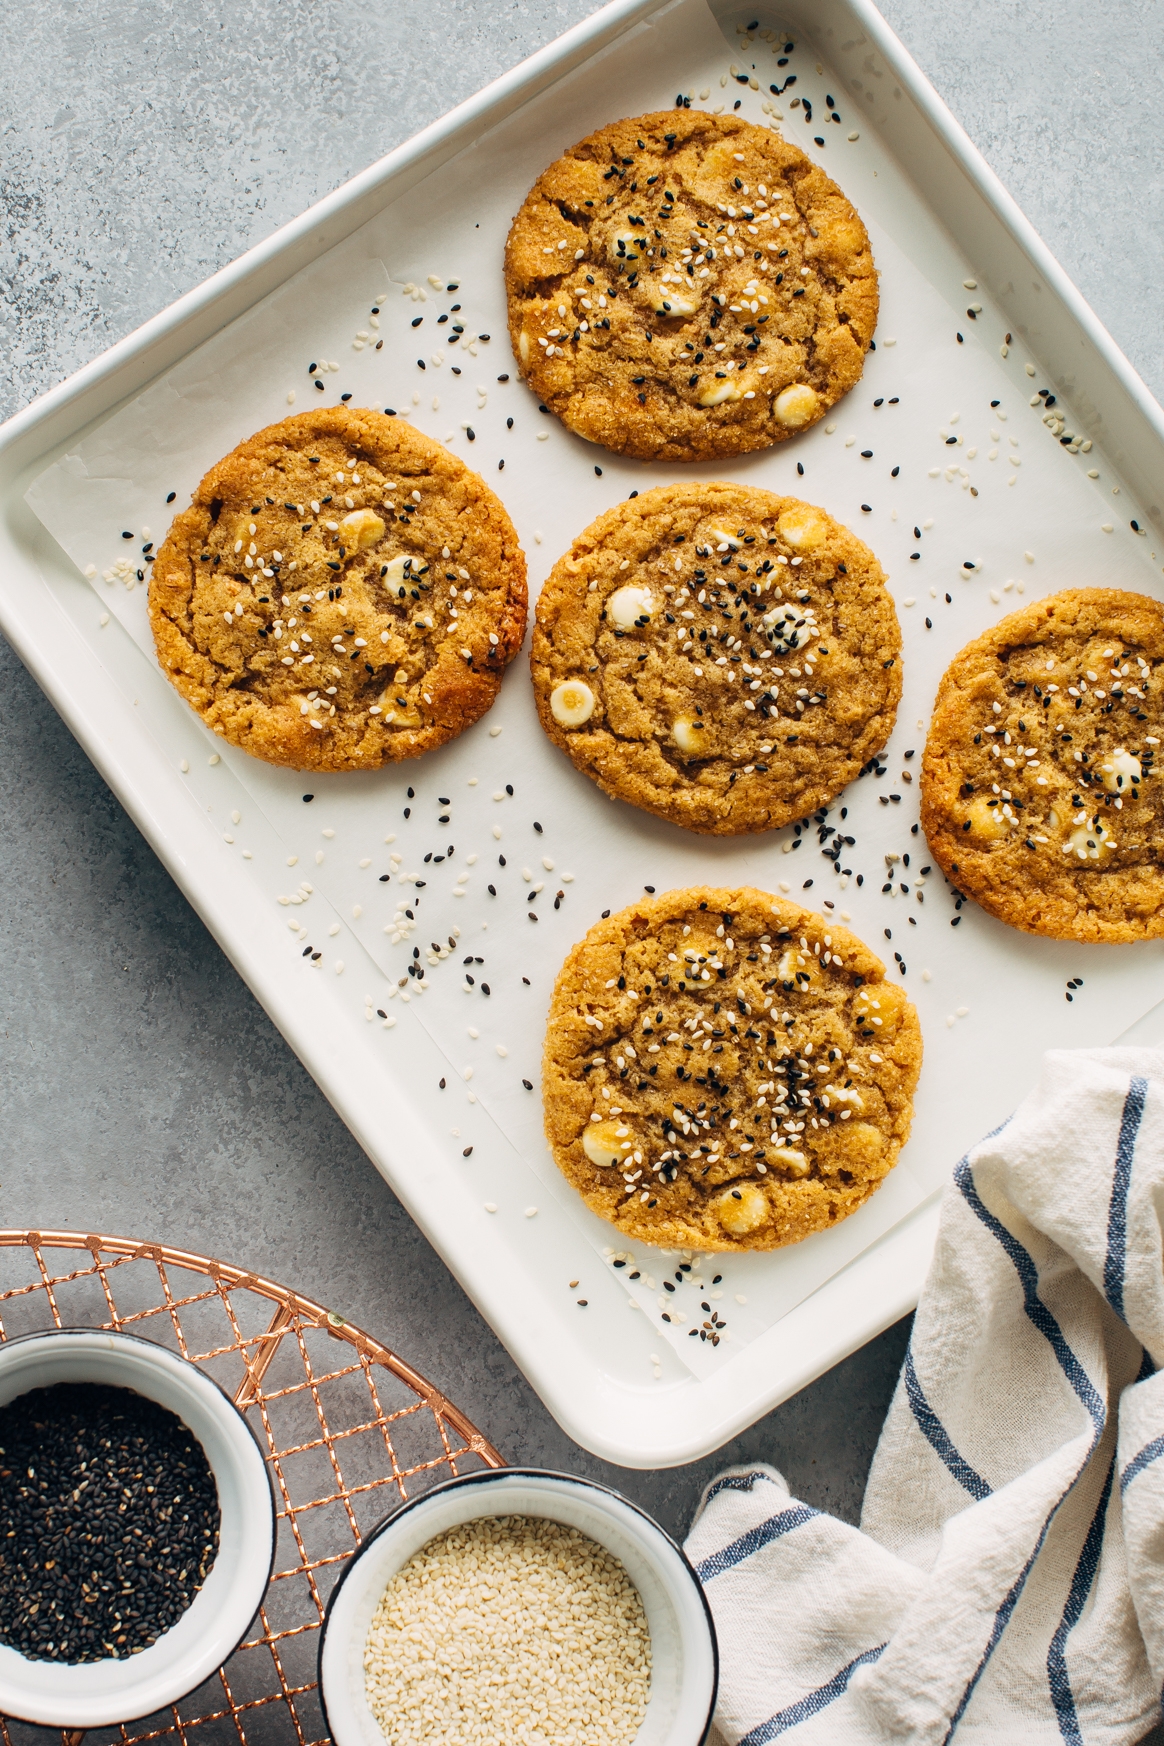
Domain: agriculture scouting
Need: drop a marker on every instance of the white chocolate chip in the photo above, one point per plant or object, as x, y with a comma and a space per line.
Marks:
572, 703
1120, 771
627, 605
688, 735
796, 405
721, 392
605, 1143
362, 528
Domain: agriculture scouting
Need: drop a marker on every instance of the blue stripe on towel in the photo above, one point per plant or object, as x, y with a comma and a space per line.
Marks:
754, 1540
810, 1705
1117, 1215
736, 1482
936, 1434
1002, 1617
1150, 1452
1036, 1309
1038, 1313
1057, 1677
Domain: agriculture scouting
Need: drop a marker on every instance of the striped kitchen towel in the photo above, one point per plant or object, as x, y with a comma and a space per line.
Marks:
1007, 1580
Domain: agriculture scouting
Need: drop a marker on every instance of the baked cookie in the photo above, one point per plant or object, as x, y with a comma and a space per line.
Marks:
718, 655
341, 593
683, 286
1040, 794
724, 1070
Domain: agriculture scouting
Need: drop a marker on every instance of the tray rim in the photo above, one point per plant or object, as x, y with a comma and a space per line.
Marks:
881, 1284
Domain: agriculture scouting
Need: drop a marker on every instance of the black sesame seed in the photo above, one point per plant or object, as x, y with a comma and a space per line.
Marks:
113, 1534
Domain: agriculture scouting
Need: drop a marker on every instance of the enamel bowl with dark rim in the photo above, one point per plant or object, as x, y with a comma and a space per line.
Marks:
96, 1694
684, 1657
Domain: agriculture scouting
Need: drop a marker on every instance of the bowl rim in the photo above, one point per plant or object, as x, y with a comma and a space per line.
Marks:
491, 1476
177, 1357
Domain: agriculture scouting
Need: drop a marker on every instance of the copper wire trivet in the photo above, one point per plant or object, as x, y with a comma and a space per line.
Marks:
314, 1389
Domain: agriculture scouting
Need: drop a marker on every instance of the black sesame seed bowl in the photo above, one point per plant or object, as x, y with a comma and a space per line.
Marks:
169, 1458
684, 1653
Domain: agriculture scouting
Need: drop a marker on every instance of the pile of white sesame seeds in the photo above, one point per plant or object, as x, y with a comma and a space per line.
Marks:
512, 1628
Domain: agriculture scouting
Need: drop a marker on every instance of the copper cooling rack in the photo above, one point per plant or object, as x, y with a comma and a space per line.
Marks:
350, 1431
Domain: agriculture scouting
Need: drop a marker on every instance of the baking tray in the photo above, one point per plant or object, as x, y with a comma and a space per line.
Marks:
552, 1281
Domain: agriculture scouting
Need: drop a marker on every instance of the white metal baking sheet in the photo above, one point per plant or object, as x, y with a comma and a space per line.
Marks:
445, 214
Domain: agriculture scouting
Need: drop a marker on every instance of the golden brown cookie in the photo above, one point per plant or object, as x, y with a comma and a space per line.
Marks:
683, 286
341, 593
1041, 796
718, 655
725, 1070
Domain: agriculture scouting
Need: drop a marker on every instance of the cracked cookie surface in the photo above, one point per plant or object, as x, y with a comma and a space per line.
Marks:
683, 286
725, 1070
1041, 794
342, 593
717, 655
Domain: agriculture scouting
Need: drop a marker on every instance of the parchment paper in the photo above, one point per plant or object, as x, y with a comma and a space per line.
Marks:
990, 999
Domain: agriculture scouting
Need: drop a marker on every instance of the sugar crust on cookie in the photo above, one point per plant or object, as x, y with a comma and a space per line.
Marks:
1041, 794
724, 1070
683, 286
718, 655
341, 593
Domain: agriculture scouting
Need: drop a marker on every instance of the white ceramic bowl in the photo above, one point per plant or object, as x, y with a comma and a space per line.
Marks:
684, 1657
95, 1694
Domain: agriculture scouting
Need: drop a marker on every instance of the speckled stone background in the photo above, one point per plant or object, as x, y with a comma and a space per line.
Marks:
143, 144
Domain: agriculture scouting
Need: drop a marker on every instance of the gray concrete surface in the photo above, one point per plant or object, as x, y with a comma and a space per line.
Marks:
144, 143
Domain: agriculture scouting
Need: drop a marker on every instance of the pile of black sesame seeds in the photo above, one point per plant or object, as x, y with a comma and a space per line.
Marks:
109, 1522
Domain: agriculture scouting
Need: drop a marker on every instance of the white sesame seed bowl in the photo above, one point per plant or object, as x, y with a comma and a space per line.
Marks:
102, 1693
684, 1661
